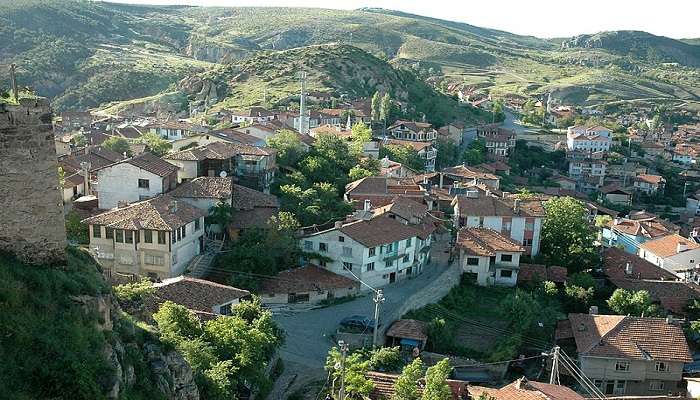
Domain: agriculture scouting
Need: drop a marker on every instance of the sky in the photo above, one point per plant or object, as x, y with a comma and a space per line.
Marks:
542, 18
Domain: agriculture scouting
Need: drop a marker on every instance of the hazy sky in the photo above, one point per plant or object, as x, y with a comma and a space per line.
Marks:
543, 18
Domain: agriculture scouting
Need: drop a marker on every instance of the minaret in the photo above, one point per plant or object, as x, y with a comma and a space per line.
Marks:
302, 105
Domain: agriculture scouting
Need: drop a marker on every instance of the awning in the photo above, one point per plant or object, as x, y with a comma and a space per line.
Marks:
410, 342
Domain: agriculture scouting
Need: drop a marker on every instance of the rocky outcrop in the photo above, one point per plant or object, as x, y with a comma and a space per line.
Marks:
202, 92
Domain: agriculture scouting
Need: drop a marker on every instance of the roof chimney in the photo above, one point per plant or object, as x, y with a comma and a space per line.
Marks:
338, 224
368, 205
669, 319
593, 310
628, 268
516, 206
681, 247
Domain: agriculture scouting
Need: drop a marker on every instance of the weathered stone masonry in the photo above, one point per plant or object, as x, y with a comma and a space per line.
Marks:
31, 215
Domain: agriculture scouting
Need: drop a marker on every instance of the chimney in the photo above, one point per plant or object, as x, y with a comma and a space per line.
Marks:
516, 206
669, 319
368, 205
425, 180
338, 224
681, 247
593, 310
628, 268
173, 206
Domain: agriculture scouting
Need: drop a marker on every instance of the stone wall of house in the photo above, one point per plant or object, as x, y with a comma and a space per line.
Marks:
31, 214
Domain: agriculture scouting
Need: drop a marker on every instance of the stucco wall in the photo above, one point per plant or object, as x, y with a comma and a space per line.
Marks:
121, 183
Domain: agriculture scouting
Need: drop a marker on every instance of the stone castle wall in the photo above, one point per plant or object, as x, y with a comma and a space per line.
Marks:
32, 224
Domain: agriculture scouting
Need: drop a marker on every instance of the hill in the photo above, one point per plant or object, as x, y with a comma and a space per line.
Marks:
86, 53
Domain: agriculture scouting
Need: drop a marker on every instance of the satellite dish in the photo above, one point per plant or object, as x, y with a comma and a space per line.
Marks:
223, 174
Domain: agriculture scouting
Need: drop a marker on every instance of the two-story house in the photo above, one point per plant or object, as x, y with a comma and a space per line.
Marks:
465, 174
134, 179
519, 219
588, 170
492, 257
412, 131
498, 141
649, 184
626, 355
631, 233
174, 130
254, 167
588, 139
375, 249
453, 131
155, 238
425, 150
674, 253
252, 115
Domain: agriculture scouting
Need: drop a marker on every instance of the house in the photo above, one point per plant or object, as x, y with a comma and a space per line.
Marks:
522, 389
252, 115
673, 253
625, 172
684, 153
619, 264
498, 140
631, 233
496, 167
588, 139
251, 209
412, 131
425, 150
309, 284
538, 273
521, 220
73, 187
410, 333
174, 130
692, 203
134, 179
380, 191
205, 298
564, 182
254, 167
383, 386
453, 131
465, 174
626, 355
616, 195
652, 150
491, 256
649, 184
588, 170
261, 131
393, 169
155, 238
375, 249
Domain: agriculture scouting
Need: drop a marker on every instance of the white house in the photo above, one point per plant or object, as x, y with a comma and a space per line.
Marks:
413, 131
378, 250
649, 184
252, 115
155, 238
673, 253
134, 179
174, 130
492, 257
588, 139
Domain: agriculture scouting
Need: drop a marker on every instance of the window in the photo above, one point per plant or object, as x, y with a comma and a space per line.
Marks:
184, 231
322, 263
372, 251
506, 226
388, 264
196, 224
298, 298
341, 238
620, 387
472, 261
406, 258
527, 242
661, 366
347, 251
308, 245
120, 236
161, 237
225, 309
506, 273
389, 247
148, 236
179, 234
109, 233
656, 385
506, 257
370, 266
174, 258
143, 184
623, 366
408, 242
96, 231
129, 236
151, 259
529, 226
347, 265
322, 247
173, 236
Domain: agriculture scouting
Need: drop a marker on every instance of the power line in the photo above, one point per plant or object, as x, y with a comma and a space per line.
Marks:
580, 376
479, 364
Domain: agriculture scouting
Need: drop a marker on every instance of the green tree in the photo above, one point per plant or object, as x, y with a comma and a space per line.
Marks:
385, 110
76, 230
289, 147
567, 237
497, 114
117, 145
475, 153
577, 297
361, 134
376, 105
176, 323
336, 150
220, 214
405, 155
406, 386
155, 144
635, 303
357, 385
386, 359
447, 153
436, 387
358, 172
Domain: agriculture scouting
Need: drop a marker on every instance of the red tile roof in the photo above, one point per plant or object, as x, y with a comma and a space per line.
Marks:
305, 279
541, 273
196, 294
485, 242
155, 214
378, 231
668, 246
408, 329
615, 264
522, 389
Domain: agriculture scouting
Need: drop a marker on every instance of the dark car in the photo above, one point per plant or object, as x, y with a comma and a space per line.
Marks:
358, 323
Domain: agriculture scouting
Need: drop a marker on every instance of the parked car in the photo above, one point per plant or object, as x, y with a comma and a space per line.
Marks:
358, 323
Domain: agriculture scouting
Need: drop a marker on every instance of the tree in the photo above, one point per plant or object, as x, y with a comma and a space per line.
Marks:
376, 105
567, 237
635, 303
405, 155
436, 387
361, 134
336, 150
155, 144
358, 172
406, 386
315, 205
447, 153
497, 113
475, 152
117, 145
577, 297
385, 110
357, 385
386, 359
176, 323
220, 214
288, 145
76, 230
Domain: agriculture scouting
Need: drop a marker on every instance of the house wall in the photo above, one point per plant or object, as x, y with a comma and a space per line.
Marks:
517, 229
186, 169
684, 260
693, 389
315, 296
637, 378
120, 183
617, 198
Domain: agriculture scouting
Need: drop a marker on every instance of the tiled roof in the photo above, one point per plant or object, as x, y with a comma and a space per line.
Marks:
383, 386
413, 126
672, 295
245, 198
615, 262
205, 187
491, 205
408, 329
73, 180
378, 231
652, 179
235, 136
155, 214
485, 242
370, 185
152, 164
305, 279
217, 151
522, 389
618, 336
667, 246
541, 273
648, 228
253, 112
614, 188
404, 208
196, 294
98, 157
469, 173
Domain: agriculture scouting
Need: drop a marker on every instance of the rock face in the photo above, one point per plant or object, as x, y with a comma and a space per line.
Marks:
31, 211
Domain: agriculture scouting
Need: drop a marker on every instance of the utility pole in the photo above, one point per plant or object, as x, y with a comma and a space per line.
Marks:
343, 352
554, 375
378, 299
13, 81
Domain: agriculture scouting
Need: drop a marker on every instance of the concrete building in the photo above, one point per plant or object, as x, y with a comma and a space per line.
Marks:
588, 139
673, 253
156, 238
134, 179
492, 257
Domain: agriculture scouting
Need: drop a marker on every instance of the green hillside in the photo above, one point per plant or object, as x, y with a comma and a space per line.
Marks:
83, 53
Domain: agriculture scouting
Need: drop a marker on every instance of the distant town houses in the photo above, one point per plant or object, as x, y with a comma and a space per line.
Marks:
588, 139
472, 175
498, 140
252, 115
649, 184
